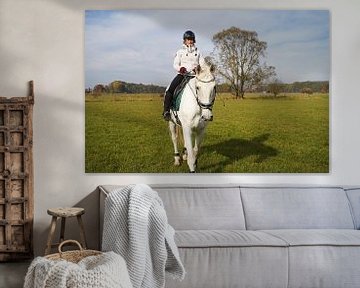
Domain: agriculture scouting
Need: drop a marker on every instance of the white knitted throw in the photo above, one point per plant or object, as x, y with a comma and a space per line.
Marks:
136, 227
107, 270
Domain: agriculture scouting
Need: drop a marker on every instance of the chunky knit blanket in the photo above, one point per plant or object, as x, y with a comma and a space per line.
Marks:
136, 227
107, 270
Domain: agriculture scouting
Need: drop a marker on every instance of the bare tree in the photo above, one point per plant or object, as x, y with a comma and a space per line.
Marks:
275, 87
307, 90
237, 55
115, 86
99, 88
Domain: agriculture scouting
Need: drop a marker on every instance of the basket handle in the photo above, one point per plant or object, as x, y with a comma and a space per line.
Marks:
69, 241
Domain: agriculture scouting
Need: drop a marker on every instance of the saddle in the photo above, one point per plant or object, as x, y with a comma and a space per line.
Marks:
176, 100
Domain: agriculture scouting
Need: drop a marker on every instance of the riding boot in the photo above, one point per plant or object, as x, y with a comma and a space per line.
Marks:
169, 95
167, 105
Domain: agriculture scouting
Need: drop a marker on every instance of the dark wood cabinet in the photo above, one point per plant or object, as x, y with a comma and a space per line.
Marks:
16, 177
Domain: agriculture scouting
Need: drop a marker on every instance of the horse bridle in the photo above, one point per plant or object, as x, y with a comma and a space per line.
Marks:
207, 106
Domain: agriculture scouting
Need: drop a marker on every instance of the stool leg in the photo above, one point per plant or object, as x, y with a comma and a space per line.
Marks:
51, 234
62, 231
82, 232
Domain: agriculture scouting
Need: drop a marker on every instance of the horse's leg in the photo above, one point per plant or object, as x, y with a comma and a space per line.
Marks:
174, 136
190, 152
198, 140
181, 143
184, 154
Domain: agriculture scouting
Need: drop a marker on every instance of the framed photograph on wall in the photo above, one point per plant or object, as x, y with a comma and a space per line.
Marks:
239, 91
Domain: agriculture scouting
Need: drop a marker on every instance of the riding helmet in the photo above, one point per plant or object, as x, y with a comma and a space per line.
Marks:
189, 35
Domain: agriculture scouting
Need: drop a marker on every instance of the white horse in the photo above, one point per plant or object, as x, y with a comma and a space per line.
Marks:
194, 113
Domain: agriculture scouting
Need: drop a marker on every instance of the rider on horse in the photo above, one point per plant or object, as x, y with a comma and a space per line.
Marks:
186, 60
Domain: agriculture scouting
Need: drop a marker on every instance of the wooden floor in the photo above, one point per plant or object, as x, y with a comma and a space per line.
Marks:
12, 274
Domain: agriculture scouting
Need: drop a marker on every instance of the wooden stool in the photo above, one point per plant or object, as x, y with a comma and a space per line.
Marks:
64, 213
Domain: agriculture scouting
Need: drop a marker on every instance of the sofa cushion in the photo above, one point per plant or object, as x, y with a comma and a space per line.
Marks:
296, 208
203, 208
324, 266
354, 198
315, 237
199, 207
226, 238
328, 258
220, 267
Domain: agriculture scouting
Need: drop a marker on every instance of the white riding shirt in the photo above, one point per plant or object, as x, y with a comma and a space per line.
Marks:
188, 57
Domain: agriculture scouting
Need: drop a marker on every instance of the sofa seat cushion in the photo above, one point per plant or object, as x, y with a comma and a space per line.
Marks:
323, 258
316, 237
225, 238
235, 267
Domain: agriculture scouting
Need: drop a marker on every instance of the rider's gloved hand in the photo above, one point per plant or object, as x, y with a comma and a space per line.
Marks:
182, 70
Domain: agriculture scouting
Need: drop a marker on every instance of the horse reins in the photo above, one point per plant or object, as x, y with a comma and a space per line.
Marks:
204, 81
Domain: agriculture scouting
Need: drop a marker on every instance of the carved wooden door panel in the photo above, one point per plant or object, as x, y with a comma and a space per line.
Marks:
16, 177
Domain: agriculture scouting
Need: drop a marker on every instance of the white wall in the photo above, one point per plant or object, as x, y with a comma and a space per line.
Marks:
43, 40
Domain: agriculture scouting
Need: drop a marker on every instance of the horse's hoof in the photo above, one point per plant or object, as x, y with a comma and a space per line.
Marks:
184, 157
177, 161
192, 172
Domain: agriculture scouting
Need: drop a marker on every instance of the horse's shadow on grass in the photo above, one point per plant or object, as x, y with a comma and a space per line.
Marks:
235, 149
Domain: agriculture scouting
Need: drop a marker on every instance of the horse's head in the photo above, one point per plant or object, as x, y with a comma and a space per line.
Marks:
205, 89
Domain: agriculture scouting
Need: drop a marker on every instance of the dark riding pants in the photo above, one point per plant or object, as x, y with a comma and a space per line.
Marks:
170, 92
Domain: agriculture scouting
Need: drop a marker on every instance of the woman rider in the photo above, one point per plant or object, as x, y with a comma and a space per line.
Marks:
187, 58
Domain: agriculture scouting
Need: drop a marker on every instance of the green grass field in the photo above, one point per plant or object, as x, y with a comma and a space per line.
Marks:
287, 134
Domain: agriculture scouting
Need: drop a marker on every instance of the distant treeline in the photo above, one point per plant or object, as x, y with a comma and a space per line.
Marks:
132, 88
315, 86
124, 87
296, 87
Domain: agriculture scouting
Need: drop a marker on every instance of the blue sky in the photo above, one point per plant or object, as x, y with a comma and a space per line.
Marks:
139, 45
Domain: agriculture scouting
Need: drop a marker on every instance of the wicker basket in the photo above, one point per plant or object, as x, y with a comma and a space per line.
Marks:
72, 256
